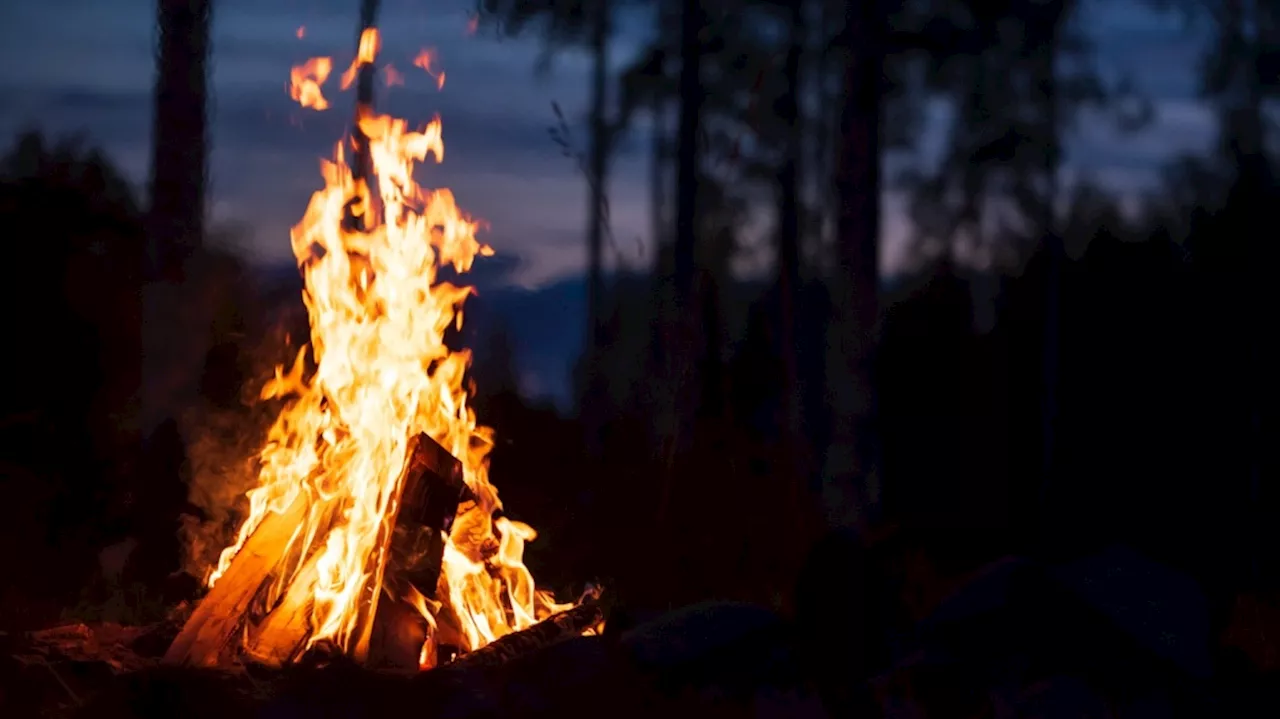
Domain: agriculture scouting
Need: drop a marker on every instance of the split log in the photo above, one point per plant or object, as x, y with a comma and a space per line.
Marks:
206, 637
399, 634
430, 493
555, 628
434, 486
280, 637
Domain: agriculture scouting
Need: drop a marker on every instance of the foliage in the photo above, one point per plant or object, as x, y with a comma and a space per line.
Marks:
129, 605
1011, 106
75, 236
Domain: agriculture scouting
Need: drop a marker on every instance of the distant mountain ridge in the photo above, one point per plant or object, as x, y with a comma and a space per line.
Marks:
545, 324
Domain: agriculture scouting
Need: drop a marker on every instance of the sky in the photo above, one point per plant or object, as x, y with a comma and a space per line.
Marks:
86, 66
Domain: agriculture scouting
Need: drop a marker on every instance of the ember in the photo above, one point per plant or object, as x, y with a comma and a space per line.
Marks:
360, 500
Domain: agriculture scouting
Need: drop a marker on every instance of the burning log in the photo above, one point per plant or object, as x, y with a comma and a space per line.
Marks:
206, 636
432, 488
399, 636
557, 627
379, 313
280, 636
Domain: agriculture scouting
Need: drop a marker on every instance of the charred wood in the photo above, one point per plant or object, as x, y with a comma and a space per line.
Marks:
558, 627
207, 635
430, 493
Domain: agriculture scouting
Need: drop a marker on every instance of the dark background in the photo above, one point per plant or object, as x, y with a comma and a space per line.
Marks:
1050, 341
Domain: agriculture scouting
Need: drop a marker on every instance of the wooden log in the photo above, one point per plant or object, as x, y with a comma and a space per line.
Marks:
434, 486
430, 493
207, 636
399, 634
557, 627
282, 635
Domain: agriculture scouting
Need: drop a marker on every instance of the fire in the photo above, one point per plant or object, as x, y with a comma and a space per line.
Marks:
370, 43
426, 59
392, 76
305, 81
381, 376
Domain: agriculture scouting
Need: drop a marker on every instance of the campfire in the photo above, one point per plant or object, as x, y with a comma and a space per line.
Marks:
374, 532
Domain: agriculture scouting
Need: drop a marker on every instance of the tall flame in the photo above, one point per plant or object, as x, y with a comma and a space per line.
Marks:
383, 375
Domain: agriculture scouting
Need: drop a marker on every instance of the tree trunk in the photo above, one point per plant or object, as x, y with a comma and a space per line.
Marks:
788, 260
658, 154
1055, 258
851, 486
179, 134
361, 160
692, 22
598, 160
680, 315
592, 406
1243, 131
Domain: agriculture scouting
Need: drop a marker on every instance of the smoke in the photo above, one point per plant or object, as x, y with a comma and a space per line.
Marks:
223, 467
226, 427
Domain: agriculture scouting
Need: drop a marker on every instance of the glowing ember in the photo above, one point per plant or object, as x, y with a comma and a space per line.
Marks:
426, 60
382, 375
392, 76
370, 43
305, 82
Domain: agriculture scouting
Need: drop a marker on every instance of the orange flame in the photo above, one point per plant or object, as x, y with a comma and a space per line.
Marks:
305, 81
301, 32
382, 375
370, 42
392, 76
425, 59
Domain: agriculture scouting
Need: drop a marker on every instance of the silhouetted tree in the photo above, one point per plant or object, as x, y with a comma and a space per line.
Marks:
850, 477
789, 223
361, 159
179, 132
76, 323
564, 23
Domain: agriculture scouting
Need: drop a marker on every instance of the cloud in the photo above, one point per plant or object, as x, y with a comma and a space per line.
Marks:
500, 160
1159, 49
92, 70
1179, 127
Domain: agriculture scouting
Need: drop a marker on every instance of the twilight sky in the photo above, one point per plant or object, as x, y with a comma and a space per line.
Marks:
86, 65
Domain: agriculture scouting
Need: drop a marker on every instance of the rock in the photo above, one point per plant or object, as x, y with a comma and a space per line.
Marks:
1072, 639
841, 614
720, 655
1063, 697
1161, 608
560, 679
696, 634
990, 590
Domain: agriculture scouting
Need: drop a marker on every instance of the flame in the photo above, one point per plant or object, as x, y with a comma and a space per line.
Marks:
392, 76
370, 42
305, 81
301, 32
382, 375
426, 59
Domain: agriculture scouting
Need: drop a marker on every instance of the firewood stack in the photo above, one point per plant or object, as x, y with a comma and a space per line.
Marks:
250, 610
